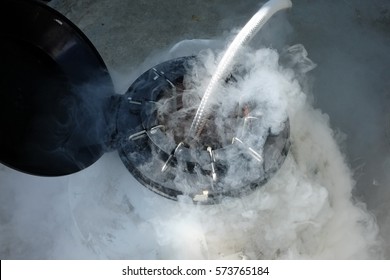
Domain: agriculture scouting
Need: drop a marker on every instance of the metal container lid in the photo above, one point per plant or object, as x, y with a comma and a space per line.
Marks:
49, 125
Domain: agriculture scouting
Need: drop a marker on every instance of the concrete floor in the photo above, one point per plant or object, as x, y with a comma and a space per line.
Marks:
349, 40
127, 32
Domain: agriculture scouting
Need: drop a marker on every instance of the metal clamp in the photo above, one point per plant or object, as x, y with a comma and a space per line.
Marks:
212, 161
171, 156
248, 149
144, 132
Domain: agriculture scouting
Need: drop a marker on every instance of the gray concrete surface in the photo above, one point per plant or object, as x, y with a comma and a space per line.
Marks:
126, 32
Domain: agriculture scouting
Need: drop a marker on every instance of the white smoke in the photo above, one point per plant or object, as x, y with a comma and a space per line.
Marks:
306, 211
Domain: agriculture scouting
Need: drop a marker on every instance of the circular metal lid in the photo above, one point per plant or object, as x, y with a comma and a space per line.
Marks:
54, 87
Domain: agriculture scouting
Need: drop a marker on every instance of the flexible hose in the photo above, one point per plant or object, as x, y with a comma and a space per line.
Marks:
224, 67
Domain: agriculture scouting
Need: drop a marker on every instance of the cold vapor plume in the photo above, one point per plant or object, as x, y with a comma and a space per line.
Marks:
323, 67
306, 210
